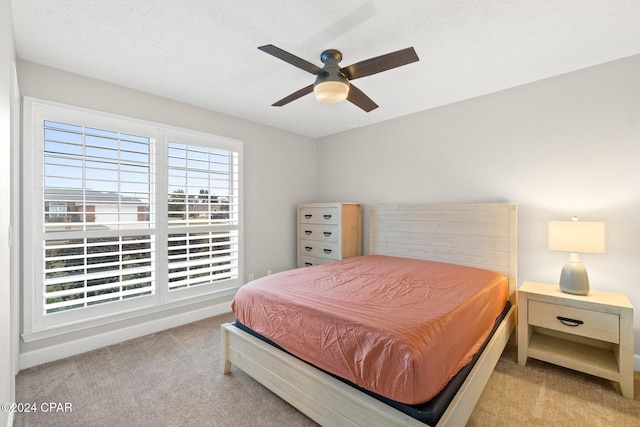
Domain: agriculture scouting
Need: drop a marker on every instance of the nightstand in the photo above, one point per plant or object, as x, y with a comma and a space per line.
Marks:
591, 333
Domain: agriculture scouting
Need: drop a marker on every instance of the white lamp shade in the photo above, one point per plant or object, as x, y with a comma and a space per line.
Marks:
577, 236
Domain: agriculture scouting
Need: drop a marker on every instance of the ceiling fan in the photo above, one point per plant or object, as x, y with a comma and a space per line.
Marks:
333, 84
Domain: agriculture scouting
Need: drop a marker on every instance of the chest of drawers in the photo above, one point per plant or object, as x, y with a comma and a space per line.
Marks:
328, 232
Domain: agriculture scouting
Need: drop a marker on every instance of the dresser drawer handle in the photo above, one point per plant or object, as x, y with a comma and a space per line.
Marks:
307, 232
327, 216
308, 248
308, 216
569, 322
327, 233
327, 251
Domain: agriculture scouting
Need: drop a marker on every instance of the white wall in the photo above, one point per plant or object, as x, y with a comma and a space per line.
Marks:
279, 166
7, 346
568, 145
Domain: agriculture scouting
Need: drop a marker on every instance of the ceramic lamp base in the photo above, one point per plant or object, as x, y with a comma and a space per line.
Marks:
573, 278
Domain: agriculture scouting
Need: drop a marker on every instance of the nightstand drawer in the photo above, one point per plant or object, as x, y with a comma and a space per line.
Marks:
576, 321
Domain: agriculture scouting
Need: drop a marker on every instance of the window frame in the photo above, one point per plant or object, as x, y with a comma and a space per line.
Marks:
37, 325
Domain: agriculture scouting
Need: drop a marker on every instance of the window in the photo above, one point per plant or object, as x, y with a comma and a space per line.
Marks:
124, 215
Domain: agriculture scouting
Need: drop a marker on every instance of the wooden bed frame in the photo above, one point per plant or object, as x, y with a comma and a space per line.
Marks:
479, 235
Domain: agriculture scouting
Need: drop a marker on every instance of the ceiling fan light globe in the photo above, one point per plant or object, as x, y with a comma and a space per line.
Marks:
331, 91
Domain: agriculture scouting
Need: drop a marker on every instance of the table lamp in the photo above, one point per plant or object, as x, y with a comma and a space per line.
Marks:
576, 236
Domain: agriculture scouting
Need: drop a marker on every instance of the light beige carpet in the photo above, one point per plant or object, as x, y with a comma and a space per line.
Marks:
173, 378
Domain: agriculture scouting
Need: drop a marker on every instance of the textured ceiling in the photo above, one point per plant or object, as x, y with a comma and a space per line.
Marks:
204, 52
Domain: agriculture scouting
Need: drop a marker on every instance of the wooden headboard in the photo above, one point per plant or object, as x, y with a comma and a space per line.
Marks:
480, 235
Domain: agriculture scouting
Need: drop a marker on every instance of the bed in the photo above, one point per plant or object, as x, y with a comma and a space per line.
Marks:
474, 235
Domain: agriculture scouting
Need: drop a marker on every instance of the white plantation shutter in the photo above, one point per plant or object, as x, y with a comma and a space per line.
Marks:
104, 177
203, 214
123, 215
202, 257
96, 243
88, 271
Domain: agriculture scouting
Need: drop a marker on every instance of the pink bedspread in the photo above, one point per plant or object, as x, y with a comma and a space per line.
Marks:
399, 327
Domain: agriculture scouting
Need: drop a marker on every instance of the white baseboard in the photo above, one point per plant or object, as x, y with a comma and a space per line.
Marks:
59, 351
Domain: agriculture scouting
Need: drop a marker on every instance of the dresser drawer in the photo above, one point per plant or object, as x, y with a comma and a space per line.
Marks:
308, 261
323, 233
319, 215
314, 248
576, 321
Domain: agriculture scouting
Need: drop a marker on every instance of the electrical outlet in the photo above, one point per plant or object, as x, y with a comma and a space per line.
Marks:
268, 272
251, 277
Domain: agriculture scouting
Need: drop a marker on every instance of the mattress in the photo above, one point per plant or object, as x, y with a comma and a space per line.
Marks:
399, 328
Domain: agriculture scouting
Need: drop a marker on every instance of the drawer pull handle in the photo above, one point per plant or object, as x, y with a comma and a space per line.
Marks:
570, 322
327, 233
307, 232
307, 248
327, 251
327, 216
308, 216
307, 264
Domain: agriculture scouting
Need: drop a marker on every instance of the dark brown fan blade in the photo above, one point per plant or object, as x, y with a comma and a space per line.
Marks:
292, 59
380, 63
357, 97
294, 96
